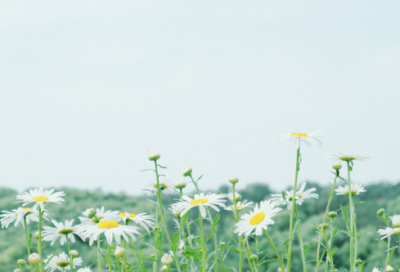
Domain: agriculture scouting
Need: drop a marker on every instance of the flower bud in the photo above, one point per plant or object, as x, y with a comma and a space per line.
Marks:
166, 259
182, 245
34, 258
21, 262
337, 165
90, 213
119, 252
187, 171
380, 212
73, 253
233, 180
253, 257
164, 268
180, 183
358, 262
323, 226
153, 256
238, 197
222, 243
153, 155
36, 235
332, 214
389, 268
280, 270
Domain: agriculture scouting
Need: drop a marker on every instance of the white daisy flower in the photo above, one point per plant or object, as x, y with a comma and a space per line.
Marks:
40, 196
301, 195
389, 268
201, 201
100, 214
61, 262
165, 186
351, 156
86, 269
376, 269
61, 230
258, 219
112, 229
142, 219
176, 210
239, 206
356, 188
18, 215
180, 182
296, 137
389, 231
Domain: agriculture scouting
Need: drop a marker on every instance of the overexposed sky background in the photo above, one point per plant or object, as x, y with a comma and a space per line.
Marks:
87, 87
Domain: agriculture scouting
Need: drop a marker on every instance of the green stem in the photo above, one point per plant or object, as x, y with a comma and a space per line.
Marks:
246, 252
195, 183
387, 255
134, 249
289, 254
203, 250
109, 258
303, 258
237, 220
355, 241
351, 218
98, 254
37, 269
215, 241
276, 251
124, 262
163, 219
323, 221
28, 242
40, 239
71, 258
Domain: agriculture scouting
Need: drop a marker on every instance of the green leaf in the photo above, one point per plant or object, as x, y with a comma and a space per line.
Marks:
214, 226
175, 239
344, 213
184, 219
233, 239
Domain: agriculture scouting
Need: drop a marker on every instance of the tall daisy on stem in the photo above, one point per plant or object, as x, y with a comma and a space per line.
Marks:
39, 197
297, 138
349, 158
336, 166
154, 156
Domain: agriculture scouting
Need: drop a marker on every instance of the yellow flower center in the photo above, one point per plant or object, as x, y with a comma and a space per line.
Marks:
108, 224
257, 219
396, 225
299, 134
41, 198
95, 220
62, 263
130, 215
198, 201
353, 193
345, 158
397, 232
25, 209
66, 231
163, 186
238, 207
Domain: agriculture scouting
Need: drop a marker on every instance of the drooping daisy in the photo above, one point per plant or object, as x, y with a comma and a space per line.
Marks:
112, 229
301, 195
176, 210
61, 262
350, 156
180, 182
142, 219
40, 196
296, 137
356, 188
18, 215
389, 231
258, 219
62, 231
100, 214
201, 201
165, 186
239, 206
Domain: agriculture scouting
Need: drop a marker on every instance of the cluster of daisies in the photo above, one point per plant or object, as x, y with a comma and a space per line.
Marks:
115, 228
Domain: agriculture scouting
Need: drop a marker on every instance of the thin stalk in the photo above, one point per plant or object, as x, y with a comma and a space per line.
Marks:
134, 249
71, 259
124, 262
330, 246
276, 251
246, 252
303, 258
388, 245
355, 241
215, 242
195, 183
40, 238
323, 221
155, 262
351, 219
203, 250
37, 269
28, 242
237, 220
289, 254
98, 254
163, 219
109, 258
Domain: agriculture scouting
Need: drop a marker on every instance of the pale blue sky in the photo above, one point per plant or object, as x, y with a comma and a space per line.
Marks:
87, 87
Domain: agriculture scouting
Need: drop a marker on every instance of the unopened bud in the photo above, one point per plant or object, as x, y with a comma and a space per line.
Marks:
222, 243
166, 259
164, 268
119, 252
238, 197
380, 212
358, 262
34, 258
332, 214
153, 256
337, 165
91, 213
323, 226
36, 235
153, 155
280, 269
73, 253
233, 180
21, 262
253, 257
187, 171
389, 268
